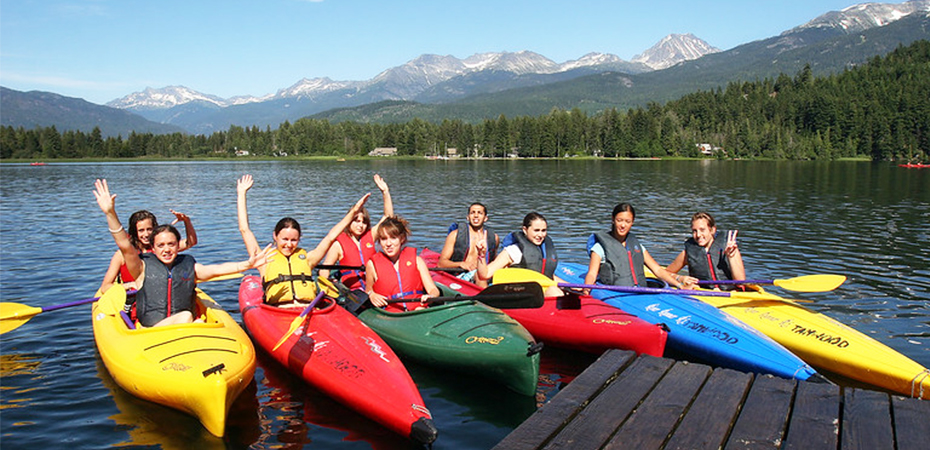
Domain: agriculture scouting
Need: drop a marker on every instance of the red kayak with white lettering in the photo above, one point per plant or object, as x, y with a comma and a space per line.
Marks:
340, 356
575, 322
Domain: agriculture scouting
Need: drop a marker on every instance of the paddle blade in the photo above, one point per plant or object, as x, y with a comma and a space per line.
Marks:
14, 315
513, 295
113, 300
811, 283
518, 275
295, 324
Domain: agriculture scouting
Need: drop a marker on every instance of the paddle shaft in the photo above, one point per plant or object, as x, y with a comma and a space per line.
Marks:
645, 290
455, 298
362, 268
712, 282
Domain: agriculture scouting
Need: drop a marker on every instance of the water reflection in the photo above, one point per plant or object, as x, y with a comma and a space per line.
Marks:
868, 221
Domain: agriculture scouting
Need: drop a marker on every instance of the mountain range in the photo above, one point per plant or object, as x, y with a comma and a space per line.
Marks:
519, 83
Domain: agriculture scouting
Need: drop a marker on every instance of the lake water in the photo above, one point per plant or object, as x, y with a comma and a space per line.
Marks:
868, 221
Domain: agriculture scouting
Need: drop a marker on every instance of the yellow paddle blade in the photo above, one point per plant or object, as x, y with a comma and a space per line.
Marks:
519, 275
14, 315
295, 324
327, 286
811, 283
113, 301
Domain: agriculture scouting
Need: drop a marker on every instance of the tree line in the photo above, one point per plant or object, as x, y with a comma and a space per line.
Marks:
879, 110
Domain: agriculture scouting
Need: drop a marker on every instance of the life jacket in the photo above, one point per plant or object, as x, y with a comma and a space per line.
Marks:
165, 290
463, 243
355, 255
401, 282
288, 278
541, 258
710, 264
621, 265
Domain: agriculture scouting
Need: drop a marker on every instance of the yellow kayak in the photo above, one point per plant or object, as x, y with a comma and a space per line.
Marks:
826, 343
198, 368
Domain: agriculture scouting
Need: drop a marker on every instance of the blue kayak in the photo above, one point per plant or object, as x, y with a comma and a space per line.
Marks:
701, 331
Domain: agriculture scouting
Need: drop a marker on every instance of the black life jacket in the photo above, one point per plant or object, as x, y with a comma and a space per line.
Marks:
165, 290
621, 265
542, 259
462, 242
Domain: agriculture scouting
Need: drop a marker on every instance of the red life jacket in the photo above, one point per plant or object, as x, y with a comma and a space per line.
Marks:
355, 255
402, 282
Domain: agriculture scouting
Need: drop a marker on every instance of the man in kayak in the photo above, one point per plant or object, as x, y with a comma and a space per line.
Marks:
617, 257
460, 252
530, 248
166, 281
355, 245
396, 272
707, 255
288, 278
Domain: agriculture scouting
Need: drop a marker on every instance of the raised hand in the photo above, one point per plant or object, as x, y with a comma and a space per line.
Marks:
179, 217
105, 200
244, 184
382, 185
731, 248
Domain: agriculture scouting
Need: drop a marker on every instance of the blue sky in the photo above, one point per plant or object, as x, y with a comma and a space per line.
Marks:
100, 50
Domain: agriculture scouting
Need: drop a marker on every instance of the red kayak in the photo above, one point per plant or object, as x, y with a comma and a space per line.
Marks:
576, 322
915, 165
337, 354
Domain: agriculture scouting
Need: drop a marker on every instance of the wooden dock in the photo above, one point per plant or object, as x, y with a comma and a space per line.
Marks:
625, 401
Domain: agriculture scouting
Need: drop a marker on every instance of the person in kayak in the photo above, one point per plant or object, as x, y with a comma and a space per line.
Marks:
288, 278
355, 245
396, 272
459, 251
617, 257
165, 280
707, 255
529, 248
141, 224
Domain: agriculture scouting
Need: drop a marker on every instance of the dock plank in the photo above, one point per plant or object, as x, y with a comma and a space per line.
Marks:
911, 423
866, 420
763, 419
659, 414
545, 422
815, 418
594, 426
644, 402
709, 419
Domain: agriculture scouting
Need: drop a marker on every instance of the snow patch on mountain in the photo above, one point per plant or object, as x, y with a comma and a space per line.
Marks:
861, 17
673, 49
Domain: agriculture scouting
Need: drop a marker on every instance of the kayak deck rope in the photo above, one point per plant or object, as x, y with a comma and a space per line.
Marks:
917, 386
422, 409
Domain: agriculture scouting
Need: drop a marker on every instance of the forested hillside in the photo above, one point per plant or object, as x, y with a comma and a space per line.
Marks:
880, 110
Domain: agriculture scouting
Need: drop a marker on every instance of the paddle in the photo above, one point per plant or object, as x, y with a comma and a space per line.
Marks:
806, 283
299, 319
503, 296
14, 315
362, 268
509, 275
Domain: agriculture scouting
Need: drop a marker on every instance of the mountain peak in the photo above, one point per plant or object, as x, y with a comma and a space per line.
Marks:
673, 49
166, 97
863, 16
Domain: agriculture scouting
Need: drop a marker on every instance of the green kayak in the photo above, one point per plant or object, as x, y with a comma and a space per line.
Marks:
465, 336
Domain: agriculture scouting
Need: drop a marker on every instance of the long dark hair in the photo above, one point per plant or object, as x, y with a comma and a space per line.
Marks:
134, 220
